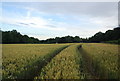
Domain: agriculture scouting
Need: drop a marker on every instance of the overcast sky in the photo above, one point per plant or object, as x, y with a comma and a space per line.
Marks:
50, 19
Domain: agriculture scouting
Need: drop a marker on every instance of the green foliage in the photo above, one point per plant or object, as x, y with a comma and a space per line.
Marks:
66, 39
113, 41
107, 36
10, 37
15, 37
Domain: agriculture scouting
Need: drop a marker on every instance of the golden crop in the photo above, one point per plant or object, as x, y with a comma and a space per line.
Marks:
63, 66
60, 61
105, 59
17, 56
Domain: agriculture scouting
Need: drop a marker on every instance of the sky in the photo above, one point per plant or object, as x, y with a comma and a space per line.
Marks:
45, 20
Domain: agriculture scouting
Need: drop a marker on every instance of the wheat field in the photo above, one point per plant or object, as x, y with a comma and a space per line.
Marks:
60, 61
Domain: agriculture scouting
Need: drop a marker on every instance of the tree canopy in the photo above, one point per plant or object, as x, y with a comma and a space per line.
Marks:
66, 39
14, 37
107, 36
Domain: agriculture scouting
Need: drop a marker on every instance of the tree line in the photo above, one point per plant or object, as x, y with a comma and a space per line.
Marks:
66, 39
13, 37
109, 35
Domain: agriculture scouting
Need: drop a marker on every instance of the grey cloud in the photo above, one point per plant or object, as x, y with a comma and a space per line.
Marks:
23, 23
52, 26
96, 9
33, 23
101, 9
26, 23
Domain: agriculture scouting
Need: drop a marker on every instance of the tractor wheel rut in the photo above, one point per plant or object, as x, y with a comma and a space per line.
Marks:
35, 68
86, 66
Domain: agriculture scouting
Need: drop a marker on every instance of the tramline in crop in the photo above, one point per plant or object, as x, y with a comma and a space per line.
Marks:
18, 59
63, 66
60, 61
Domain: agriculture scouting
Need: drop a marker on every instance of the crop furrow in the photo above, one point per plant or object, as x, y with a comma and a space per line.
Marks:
39, 64
101, 60
86, 67
18, 70
62, 66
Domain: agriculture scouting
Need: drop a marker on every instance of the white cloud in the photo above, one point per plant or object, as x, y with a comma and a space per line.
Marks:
109, 22
104, 14
101, 15
34, 22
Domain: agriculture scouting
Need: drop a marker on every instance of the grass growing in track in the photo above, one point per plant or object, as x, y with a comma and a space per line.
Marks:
63, 66
104, 59
20, 60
